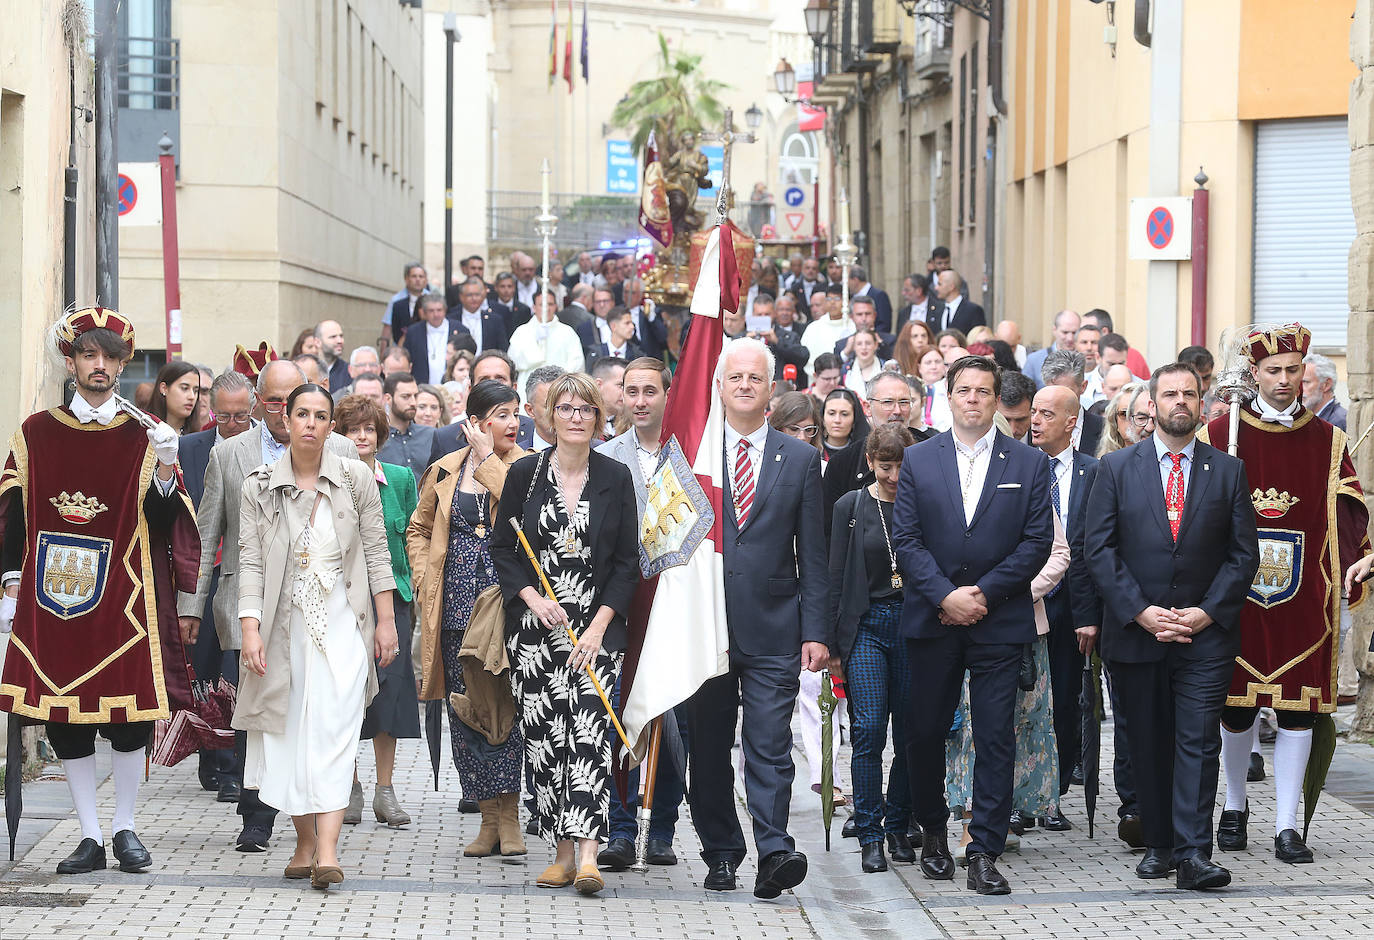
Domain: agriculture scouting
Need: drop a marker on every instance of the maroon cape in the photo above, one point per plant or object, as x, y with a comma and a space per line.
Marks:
95, 636
1311, 519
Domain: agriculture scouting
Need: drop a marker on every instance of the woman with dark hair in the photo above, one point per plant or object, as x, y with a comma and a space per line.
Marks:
395, 711
576, 507
798, 414
866, 609
912, 342
946, 340
843, 422
449, 540
313, 566
176, 390
1003, 355
306, 344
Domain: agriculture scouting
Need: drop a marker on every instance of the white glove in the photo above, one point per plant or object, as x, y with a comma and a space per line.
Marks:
164, 441
7, 608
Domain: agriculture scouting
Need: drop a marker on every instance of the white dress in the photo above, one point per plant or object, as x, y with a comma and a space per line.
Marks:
309, 768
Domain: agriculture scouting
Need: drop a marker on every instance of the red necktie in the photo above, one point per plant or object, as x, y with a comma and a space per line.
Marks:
1173, 494
744, 482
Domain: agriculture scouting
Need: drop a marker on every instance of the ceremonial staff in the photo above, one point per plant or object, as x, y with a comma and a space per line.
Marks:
545, 223
845, 252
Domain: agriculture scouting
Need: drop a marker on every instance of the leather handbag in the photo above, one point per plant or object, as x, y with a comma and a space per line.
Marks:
1025, 676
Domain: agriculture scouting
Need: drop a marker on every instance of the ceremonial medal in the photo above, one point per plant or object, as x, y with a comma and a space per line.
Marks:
480, 531
1173, 515
896, 580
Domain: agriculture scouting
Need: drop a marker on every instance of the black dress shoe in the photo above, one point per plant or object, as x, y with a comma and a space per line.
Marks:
89, 856
936, 862
1289, 847
531, 827
1076, 775
850, 830
1131, 831
778, 872
659, 852
720, 876
900, 848
208, 772
130, 852
871, 857
913, 833
230, 790
1199, 872
618, 855
468, 806
1256, 771
1055, 822
984, 877
253, 838
1155, 864
1231, 830
1017, 823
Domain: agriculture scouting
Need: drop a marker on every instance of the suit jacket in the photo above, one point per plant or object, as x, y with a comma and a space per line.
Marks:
777, 579
513, 314
1333, 413
217, 518
652, 336
451, 438
883, 305
1001, 551
601, 349
612, 535
401, 318
193, 453
589, 333
910, 311
1092, 432
624, 447
1078, 605
1136, 562
494, 335
416, 342
966, 317
574, 315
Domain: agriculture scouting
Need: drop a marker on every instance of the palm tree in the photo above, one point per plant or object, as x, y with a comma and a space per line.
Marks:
679, 99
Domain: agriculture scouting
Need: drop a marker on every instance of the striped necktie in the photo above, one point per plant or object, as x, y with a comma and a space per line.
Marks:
744, 482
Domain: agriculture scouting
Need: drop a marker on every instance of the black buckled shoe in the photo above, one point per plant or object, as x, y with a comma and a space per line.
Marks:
88, 856
1055, 822
1289, 847
659, 852
129, 850
900, 848
936, 862
984, 877
1256, 771
850, 829
720, 876
779, 872
618, 855
1231, 829
871, 857
1199, 873
1155, 864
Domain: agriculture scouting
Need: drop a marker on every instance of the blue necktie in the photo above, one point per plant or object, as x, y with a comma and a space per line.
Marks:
1054, 501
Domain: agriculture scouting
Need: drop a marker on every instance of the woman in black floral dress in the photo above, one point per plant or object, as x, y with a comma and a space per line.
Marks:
577, 509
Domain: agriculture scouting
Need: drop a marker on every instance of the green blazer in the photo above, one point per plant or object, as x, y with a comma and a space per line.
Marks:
399, 499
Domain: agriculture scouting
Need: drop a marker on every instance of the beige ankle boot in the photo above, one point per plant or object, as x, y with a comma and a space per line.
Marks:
387, 809
354, 813
487, 838
512, 840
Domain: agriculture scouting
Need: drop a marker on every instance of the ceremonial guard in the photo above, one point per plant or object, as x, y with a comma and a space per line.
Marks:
1311, 520
97, 534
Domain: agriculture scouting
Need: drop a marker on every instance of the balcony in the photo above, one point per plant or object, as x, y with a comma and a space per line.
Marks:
148, 77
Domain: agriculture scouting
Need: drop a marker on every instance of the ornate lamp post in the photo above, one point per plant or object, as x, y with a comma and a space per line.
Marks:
845, 252
545, 223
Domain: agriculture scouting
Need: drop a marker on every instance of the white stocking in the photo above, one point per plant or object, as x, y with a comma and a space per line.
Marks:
80, 773
128, 773
1235, 759
1291, 750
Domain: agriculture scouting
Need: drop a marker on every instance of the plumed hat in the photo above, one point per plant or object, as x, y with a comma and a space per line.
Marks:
1291, 337
93, 318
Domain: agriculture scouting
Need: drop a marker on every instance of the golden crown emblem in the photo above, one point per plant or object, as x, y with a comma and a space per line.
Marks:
77, 507
1271, 503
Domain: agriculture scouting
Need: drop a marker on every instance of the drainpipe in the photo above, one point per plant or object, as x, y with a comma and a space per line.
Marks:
1201, 204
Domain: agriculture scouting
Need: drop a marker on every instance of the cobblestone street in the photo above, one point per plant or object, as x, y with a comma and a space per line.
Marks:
414, 883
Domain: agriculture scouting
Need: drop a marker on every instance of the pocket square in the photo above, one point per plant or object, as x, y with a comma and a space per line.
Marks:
1008, 486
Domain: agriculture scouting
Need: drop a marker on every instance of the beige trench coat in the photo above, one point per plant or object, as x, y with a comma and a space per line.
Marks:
265, 564
427, 545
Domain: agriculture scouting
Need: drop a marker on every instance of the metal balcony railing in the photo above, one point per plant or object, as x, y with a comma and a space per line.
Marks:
149, 74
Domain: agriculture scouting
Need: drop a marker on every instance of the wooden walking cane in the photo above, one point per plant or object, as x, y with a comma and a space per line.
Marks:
548, 590
648, 774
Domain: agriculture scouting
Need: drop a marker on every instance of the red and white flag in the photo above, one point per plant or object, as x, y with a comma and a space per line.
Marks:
678, 635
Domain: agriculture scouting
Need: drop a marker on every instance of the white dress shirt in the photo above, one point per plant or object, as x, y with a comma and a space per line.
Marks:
757, 439
1077, 439
1268, 412
603, 329
473, 321
436, 338
1093, 393
617, 352
951, 308
525, 292
1166, 466
973, 465
85, 413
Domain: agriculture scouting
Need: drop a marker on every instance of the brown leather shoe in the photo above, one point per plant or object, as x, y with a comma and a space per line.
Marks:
487, 836
325, 875
557, 876
589, 880
297, 872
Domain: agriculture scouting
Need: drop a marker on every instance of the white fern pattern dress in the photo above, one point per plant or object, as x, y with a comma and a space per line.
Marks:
567, 734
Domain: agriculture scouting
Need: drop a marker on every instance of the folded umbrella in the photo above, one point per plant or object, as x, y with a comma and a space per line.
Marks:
14, 779
434, 735
1318, 763
826, 701
1089, 704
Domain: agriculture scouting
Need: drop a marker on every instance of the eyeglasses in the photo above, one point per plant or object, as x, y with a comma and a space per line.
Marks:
1142, 420
900, 403
241, 417
274, 406
807, 431
566, 411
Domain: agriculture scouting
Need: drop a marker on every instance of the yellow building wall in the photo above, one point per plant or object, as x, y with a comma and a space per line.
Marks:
1280, 40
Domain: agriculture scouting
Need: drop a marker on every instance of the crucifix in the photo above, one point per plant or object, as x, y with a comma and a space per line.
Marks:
727, 137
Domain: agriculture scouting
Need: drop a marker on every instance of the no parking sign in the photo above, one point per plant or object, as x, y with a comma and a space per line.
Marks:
1161, 229
139, 194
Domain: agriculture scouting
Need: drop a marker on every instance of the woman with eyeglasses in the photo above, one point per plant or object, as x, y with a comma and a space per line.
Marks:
798, 414
1126, 419
576, 507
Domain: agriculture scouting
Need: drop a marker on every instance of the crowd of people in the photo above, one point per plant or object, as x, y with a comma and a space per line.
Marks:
952, 524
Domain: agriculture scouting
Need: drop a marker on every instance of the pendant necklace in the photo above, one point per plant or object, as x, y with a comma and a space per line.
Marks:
480, 529
896, 575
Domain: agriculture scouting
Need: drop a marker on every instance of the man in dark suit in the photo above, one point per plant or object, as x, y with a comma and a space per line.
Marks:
651, 333
864, 313
508, 305
427, 340
598, 329
1074, 610
916, 302
585, 273
1171, 544
495, 365
859, 286
405, 309
578, 310
952, 311
968, 547
622, 345
485, 325
776, 591
1066, 367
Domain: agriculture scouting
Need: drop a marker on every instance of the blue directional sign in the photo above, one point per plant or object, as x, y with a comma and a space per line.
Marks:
622, 169
794, 196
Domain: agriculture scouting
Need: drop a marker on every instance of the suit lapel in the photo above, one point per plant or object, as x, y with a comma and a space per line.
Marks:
949, 467
997, 466
1076, 488
1199, 478
773, 459
1148, 468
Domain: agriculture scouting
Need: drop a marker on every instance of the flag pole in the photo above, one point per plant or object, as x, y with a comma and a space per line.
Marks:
648, 774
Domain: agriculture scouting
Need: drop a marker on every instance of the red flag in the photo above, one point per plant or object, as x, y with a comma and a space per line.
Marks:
654, 217
553, 41
567, 50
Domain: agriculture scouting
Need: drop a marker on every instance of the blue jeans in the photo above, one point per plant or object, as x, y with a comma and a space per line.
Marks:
878, 679
668, 792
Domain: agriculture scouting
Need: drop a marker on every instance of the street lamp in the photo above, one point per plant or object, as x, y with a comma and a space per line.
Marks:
753, 117
785, 80
817, 14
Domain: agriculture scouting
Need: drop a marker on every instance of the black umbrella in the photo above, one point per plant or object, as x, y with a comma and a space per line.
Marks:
1088, 704
434, 735
14, 779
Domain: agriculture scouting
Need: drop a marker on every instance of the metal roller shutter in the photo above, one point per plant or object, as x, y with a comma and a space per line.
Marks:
1303, 225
